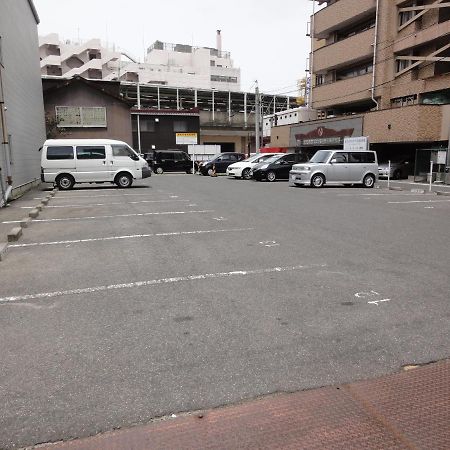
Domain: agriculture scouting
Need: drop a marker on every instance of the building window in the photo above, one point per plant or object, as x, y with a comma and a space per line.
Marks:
404, 101
81, 117
354, 71
147, 124
180, 126
406, 16
402, 64
223, 79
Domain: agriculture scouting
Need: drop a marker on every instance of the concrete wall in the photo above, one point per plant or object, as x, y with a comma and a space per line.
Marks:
22, 88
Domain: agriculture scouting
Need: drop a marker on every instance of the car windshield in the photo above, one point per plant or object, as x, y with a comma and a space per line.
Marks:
272, 158
321, 156
251, 158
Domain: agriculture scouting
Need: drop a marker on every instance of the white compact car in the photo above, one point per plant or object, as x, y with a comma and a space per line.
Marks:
242, 169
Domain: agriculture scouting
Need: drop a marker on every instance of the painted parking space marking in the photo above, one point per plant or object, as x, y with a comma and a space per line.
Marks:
420, 201
65, 197
130, 236
163, 213
374, 297
269, 243
91, 205
219, 219
159, 281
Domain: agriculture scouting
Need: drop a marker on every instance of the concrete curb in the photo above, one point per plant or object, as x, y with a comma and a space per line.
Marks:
446, 193
418, 191
34, 213
395, 188
25, 222
3, 250
14, 234
44, 201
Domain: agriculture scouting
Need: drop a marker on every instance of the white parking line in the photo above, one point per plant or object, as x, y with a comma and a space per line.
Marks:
106, 204
131, 236
67, 219
64, 197
138, 284
421, 201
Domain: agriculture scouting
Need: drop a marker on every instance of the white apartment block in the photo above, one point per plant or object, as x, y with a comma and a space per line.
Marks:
287, 117
176, 65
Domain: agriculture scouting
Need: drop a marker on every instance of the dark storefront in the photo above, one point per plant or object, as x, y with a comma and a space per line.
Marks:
159, 128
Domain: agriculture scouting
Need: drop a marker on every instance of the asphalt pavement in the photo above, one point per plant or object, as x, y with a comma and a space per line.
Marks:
188, 292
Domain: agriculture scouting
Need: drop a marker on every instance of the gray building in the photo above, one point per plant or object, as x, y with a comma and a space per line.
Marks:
22, 118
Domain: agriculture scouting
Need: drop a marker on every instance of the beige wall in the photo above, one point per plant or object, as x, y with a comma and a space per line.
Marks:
280, 136
240, 142
419, 123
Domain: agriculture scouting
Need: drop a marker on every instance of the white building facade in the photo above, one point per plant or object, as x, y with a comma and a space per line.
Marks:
287, 117
177, 65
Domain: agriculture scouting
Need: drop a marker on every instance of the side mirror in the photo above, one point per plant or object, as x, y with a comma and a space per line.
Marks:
134, 157
333, 161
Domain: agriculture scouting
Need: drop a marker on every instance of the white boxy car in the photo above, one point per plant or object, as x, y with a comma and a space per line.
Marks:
69, 161
242, 169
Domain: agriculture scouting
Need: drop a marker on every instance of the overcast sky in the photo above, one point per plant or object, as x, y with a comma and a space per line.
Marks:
266, 38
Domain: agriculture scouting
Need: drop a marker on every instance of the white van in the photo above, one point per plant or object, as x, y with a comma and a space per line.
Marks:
69, 161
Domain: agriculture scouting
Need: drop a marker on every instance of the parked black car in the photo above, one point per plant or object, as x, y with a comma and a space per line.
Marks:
221, 162
170, 161
275, 168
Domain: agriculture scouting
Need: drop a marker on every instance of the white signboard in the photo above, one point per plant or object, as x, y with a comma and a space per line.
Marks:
356, 144
186, 138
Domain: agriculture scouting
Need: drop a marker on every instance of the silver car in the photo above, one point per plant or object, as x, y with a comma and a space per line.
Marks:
399, 170
336, 167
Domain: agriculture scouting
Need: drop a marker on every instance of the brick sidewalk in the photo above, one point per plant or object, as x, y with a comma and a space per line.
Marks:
407, 410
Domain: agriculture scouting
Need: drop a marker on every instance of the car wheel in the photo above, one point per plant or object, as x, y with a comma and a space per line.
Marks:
123, 180
159, 170
210, 172
397, 175
65, 182
369, 181
318, 181
246, 174
271, 176
191, 171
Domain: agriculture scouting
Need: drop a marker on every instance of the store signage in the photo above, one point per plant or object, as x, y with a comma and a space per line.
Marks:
323, 136
356, 144
186, 138
325, 133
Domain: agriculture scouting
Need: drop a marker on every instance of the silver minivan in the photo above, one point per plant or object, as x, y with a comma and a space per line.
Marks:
336, 167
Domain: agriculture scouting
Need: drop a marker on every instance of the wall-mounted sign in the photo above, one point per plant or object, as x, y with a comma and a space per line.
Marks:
356, 144
326, 133
186, 138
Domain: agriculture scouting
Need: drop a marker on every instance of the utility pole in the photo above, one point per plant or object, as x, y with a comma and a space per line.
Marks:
257, 118
138, 115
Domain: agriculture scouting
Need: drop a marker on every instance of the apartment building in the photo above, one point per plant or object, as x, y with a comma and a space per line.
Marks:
176, 65
385, 63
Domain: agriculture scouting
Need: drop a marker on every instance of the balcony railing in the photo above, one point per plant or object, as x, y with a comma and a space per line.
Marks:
341, 92
340, 14
345, 52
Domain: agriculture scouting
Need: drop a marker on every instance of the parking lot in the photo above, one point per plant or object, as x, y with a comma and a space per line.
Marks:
187, 292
